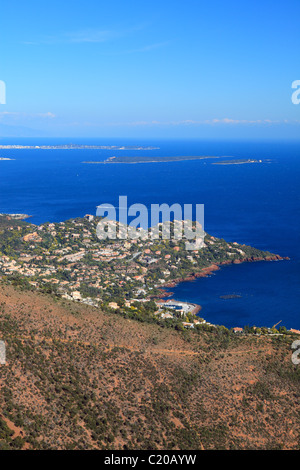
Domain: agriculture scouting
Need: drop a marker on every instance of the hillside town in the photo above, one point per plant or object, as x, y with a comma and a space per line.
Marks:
67, 259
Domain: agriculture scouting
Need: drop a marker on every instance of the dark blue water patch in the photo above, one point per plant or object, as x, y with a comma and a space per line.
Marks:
267, 293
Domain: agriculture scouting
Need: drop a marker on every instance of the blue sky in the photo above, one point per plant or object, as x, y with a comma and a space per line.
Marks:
163, 68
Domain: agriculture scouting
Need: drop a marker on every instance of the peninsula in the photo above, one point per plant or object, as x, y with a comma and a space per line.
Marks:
128, 275
237, 162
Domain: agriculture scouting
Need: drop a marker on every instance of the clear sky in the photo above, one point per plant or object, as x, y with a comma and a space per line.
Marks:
167, 68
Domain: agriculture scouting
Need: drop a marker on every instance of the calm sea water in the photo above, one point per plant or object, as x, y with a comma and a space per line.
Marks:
256, 204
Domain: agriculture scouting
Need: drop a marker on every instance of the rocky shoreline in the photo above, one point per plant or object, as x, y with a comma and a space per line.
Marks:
204, 272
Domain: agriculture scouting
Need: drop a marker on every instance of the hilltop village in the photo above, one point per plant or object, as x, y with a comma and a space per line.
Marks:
67, 259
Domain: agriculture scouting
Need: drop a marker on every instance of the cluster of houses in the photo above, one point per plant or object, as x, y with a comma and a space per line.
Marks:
70, 256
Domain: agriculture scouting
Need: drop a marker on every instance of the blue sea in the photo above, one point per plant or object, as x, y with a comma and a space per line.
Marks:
255, 204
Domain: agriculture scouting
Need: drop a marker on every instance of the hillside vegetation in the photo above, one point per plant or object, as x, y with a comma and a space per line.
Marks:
80, 378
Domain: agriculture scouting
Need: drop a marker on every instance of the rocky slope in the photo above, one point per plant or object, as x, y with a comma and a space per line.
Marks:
78, 378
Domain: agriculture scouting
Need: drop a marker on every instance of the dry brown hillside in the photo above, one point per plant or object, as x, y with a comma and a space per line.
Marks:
77, 378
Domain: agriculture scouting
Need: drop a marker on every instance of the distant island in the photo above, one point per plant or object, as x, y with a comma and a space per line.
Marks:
152, 159
77, 147
236, 162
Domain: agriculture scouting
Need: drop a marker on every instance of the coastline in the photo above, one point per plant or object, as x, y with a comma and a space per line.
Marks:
205, 272
73, 147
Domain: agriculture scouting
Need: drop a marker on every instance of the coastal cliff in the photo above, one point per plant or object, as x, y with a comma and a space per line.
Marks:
204, 272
